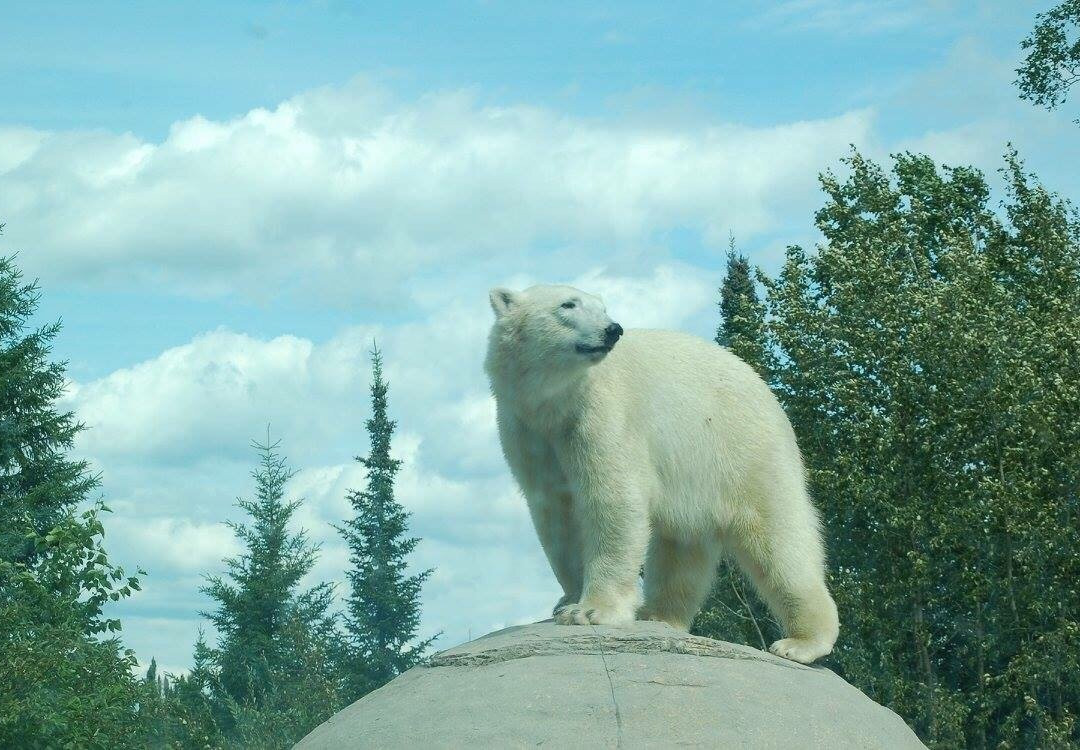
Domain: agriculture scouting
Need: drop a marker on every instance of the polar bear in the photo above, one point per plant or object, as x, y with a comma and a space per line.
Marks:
657, 449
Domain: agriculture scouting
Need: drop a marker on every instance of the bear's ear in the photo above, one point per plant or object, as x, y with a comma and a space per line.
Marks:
502, 299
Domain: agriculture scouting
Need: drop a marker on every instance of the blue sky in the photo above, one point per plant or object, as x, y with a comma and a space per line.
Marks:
140, 67
227, 202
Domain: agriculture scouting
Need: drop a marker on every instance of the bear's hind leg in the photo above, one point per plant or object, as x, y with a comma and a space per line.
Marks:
678, 576
785, 562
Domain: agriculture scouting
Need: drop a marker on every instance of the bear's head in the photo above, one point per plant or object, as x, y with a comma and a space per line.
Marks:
550, 327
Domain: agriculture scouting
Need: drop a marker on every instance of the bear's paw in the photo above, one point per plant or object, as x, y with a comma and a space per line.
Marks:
583, 614
802, 650
565, 601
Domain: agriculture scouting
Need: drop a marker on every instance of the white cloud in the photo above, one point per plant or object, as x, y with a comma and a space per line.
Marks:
981, 143
344, 192
179, 545
210, 397
664, 300
147, 635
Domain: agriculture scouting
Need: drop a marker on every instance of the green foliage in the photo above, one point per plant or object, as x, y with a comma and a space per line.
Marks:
64, 682
272, 676
176, 713
930, 362
181, 714
60, 686
1052, 65
382, 611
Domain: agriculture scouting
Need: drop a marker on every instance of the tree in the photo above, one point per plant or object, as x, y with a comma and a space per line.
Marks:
177, 712
39, 484
929, 357
742, 315
61, 684
65, 679
1052, 65
382, 611
733, 611
271, 677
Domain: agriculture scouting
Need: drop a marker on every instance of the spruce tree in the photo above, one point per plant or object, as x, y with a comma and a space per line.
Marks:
742, 314
65, 679
382, 611
271, 676
39, 484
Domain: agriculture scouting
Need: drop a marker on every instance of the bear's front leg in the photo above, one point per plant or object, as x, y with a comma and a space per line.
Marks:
553, 518
614, 527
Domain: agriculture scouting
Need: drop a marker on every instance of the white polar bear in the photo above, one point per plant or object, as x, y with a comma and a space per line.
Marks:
662, 450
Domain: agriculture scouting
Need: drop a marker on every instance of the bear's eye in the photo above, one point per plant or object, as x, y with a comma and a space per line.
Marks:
570, 305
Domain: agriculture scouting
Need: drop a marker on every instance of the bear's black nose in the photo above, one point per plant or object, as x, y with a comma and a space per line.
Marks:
612, 334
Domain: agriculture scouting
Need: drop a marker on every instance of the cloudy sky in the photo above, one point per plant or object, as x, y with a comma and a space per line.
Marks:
227, 203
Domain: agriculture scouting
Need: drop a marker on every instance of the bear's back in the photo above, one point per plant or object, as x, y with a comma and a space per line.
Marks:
685, 376
675, 356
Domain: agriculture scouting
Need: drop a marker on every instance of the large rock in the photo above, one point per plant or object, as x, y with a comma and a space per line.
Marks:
648, 685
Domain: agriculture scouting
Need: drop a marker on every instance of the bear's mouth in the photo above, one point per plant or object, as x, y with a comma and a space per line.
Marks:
602, 349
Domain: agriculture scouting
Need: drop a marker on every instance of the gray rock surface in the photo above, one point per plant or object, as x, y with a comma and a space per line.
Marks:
644, 686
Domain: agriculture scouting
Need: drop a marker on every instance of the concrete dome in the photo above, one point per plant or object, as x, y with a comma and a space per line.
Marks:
644, 686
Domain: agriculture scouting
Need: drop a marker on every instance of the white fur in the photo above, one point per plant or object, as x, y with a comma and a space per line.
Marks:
664, 452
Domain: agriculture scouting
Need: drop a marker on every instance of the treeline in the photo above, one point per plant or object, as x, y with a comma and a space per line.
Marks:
928, 355
284, 659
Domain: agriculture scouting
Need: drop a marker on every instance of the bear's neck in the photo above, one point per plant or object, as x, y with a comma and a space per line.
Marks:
545, 401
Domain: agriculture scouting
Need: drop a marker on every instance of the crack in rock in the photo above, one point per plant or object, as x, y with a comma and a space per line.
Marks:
600, 644
670, 683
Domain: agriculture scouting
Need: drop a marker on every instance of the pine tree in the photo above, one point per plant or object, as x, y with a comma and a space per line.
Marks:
151, 673
157, 716
382, 611
61, 683
197, 699
742, 315
271, 674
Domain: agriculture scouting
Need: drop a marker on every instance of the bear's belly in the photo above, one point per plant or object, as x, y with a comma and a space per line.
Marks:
687, 501
692, 494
